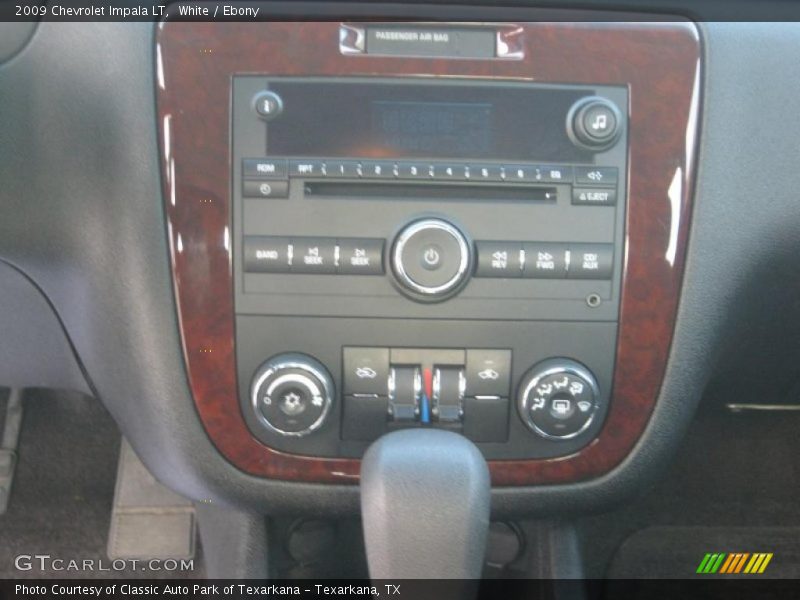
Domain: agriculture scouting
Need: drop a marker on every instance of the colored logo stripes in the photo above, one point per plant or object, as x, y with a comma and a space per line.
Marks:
734, 563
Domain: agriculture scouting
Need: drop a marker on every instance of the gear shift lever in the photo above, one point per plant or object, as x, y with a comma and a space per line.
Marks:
425, 506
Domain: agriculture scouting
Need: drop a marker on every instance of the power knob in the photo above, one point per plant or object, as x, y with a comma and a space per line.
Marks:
292, 394
558, 399
431, 259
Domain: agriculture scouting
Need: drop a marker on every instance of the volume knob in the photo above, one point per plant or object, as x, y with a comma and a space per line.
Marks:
431, 259
292, 394
558, 399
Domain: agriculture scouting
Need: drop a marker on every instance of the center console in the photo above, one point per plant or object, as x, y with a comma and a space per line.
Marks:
473, 227
435, 252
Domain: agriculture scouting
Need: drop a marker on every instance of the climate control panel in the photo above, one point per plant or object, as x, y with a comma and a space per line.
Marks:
390, 388
543, 393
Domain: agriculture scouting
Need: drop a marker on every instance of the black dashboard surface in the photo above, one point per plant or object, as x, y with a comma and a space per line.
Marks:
81, 216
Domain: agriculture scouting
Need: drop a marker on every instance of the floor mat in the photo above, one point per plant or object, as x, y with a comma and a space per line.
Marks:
64, 489
733, 473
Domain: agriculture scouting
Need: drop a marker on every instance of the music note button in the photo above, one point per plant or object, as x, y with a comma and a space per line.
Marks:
599, 121
596, 123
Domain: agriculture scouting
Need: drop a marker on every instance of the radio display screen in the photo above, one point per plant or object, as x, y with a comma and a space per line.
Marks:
432, 128
408, 119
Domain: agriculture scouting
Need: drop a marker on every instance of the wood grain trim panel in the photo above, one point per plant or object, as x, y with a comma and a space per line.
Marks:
660, 63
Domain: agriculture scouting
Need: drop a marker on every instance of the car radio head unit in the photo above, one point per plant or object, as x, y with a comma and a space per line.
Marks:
519, 184
409, 118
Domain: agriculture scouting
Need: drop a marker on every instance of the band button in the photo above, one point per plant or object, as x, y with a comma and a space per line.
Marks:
266, 254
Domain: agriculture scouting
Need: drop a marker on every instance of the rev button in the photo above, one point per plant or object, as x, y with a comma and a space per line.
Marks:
499, 259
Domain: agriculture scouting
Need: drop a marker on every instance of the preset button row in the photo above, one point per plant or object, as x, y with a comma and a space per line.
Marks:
326, 168
346, 256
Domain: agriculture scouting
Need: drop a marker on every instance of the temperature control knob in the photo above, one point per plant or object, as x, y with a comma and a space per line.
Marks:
292, 394
558, 399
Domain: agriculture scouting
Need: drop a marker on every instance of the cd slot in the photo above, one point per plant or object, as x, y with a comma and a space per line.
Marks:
415, 191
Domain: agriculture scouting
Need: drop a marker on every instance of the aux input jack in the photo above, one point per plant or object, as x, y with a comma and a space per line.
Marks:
594, 300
